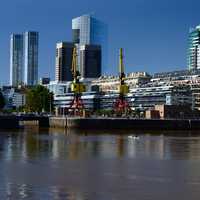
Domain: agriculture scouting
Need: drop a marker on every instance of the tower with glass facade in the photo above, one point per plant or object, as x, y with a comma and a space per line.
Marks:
87, 30
31, 58
16, 59
193, 54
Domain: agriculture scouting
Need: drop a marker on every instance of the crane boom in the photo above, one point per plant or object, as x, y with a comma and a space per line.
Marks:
121, 61
74, 63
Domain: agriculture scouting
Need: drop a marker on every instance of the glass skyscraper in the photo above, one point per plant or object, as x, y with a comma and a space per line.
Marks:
87, 30
193, 54
31, 58
16, 59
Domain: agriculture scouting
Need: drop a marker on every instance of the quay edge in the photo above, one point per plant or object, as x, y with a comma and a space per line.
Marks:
9, 122
122, 123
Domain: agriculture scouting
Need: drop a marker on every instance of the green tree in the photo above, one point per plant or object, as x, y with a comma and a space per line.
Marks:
2, 101
39, 99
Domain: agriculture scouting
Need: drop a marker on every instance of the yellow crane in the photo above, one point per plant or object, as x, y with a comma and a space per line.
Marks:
121, 105
76, 86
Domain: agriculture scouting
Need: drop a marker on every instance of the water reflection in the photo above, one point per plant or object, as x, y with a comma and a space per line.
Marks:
57, 144
12, 191
58, 164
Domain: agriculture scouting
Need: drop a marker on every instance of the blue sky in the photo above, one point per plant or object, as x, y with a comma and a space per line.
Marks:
152, 32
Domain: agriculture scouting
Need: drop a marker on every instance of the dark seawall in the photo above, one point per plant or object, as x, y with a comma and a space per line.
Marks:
9, 122
12, 122
120, 123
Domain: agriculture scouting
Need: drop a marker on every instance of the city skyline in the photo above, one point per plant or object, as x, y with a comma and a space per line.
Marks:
166, 27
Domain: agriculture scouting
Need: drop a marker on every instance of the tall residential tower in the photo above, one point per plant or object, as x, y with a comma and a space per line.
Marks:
90, 60
16, 59
193, 53
31, 58
64, 53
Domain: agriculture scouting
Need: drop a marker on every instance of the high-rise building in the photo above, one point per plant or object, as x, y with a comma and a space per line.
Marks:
16, 59
87, 30
31, 58
64, 54
90, 61
193, 54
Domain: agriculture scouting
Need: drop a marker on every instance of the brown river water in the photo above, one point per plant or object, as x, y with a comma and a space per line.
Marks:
99, 165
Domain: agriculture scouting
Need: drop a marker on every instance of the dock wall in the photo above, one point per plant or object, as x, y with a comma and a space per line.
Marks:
58, 122
12, 122
119, 123
9, 122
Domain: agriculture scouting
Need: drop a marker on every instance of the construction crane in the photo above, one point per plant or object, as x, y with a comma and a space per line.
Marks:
121, 105
76, 87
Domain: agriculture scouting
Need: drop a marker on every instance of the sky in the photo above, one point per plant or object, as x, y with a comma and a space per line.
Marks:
153, 33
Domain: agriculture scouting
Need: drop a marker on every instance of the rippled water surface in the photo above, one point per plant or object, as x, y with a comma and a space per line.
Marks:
94, 165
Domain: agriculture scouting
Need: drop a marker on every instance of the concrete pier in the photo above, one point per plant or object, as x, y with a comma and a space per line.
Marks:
12, 122
121, 123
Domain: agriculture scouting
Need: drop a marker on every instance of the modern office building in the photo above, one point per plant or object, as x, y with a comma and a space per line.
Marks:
64, 55
16, 59
87, 30
63, 96
193, 53
90, 61
31, 58
147, 96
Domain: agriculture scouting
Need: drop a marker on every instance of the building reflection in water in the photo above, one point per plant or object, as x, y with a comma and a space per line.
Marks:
120, 146
59, 144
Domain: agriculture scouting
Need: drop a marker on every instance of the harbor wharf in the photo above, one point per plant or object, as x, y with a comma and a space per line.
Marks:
13, 122
125, 123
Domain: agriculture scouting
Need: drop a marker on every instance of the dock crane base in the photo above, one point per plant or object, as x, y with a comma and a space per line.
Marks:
77, 105
121, 106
